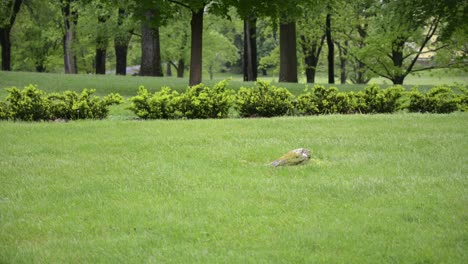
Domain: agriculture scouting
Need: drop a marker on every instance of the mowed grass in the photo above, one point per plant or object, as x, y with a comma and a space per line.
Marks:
127, 86
379, 189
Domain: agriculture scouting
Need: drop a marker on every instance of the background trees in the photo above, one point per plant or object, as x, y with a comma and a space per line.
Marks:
8, 11
389, 38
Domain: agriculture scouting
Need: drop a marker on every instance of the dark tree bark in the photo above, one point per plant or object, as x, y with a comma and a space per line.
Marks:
288, 57
250, 50
331, 51
343, 53
150, 47
180, 68
397, 58
70, 21
121, 52
121, 42
311, 57
5, 41
101, 46
196, 49
6, 48
168, 69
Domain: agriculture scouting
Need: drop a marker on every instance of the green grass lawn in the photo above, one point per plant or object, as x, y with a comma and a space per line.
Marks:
128, 85
379, 189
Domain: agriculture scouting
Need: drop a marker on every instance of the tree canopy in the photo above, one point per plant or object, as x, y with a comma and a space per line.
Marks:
386, 38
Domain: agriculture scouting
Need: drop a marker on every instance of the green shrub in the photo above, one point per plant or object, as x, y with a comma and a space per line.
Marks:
29, 104
378, 100
140, 104
264, 100
198, 101
32, 104
463, 106
4, 113
440, 99
321, 100
202, 102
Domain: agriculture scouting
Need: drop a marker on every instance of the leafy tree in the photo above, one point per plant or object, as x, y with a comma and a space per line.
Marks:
404, 30
312, 37
220, 51
123, 33
8, 11
36, 38
174, 37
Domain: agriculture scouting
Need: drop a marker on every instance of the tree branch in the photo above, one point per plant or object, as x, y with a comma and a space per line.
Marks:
180, 3
431, 31
173, 64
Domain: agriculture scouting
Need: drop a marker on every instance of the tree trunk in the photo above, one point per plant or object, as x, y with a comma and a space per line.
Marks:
121, 42
343, 61
69, 57
100, 60
196, 49
70, 21
311, 57
5, 30
168, 69
398, 79
150, 47
121, 59
250, 50
331, 51
180, 68
397, 58
101, 45
6, 48
288, 57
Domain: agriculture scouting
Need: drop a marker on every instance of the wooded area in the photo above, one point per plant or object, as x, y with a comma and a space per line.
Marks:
361, 38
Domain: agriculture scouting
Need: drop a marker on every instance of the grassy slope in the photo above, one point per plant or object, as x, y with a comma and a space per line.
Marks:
380, 189
128, 85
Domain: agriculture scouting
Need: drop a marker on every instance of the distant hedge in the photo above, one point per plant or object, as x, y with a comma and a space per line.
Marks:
201, 102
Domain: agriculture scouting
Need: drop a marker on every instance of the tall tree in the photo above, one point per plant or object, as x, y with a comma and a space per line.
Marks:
197, 9
102, 39
331, 46
70, 18
288, 57
9, 10
250, 49
311, 27
405, 30
175, 40
121, 40
150, 45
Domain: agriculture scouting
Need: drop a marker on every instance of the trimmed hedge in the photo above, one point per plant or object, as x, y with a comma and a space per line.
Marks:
201, 102
32, 104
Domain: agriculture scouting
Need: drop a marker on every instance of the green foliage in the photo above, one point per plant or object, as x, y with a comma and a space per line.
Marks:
32, 104
264, 100
201, 101
321, 100
198, 101
376, 100
29, 104
160, 105
440, 99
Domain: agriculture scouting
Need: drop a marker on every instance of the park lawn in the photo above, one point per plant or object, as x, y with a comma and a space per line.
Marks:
127, 86
379, 189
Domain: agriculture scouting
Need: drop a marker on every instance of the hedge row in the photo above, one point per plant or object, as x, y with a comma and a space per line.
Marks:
200, 101
32, 104
266, 100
